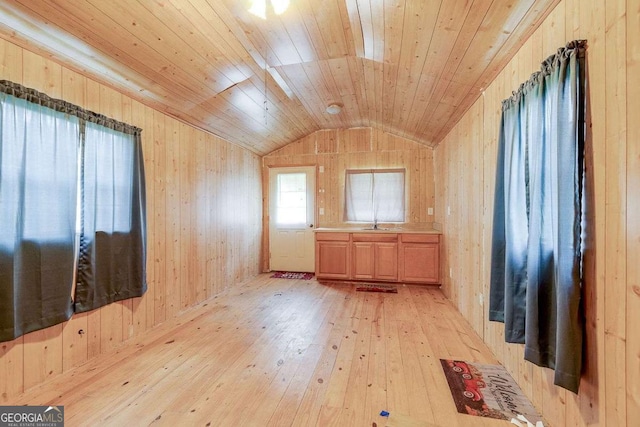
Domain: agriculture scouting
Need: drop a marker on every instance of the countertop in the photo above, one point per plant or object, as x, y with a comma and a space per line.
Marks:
379, 231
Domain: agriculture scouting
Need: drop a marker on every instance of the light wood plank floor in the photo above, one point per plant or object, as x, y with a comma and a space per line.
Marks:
281, 352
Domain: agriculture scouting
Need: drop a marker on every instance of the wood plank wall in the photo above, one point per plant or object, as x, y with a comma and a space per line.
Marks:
465, 175
204, 225
355, 148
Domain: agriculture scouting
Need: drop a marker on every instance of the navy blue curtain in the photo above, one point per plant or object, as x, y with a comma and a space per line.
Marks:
111, 265
49, 150
536, 249
38, 193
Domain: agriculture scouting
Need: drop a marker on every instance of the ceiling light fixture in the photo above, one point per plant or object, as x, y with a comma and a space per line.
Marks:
334, 108
259, 7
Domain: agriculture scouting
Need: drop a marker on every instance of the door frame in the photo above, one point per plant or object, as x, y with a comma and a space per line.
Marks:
266, 208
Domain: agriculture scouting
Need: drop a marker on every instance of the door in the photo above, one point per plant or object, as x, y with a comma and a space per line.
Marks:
333, 255
291, 218
386, 261
419, 263
363, 260
419, 258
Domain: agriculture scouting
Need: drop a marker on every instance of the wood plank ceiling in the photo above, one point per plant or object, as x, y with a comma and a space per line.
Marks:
408, 67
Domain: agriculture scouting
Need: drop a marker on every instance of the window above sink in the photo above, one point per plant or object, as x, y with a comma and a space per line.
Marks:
374, 196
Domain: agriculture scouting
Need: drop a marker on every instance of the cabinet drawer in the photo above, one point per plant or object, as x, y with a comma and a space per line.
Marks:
336, 237
420, 238
374, 237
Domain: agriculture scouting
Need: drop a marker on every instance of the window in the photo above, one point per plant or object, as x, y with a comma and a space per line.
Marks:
291, 203
374, 195
72, 210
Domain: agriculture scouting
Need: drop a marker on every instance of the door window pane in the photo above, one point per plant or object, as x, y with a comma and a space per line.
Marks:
291, 202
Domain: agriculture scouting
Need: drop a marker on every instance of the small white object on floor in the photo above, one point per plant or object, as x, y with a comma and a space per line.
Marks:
527, 423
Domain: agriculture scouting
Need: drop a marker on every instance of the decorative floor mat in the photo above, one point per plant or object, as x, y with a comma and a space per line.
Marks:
292, 275
486, 391
377, 287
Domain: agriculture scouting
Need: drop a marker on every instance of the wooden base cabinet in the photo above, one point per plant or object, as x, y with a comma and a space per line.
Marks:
378, 256
419, 258
374, 256
333, 255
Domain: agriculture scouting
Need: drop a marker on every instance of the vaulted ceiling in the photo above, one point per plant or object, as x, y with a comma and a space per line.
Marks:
408, 67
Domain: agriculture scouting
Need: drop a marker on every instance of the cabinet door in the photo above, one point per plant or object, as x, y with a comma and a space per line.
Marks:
363, 260
419, 262
386, 261
332, 259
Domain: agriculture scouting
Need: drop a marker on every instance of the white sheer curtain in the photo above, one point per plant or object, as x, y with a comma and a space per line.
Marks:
374, 195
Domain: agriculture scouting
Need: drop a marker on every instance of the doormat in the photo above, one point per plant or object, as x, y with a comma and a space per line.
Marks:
377, 287
486, 391
292, 275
